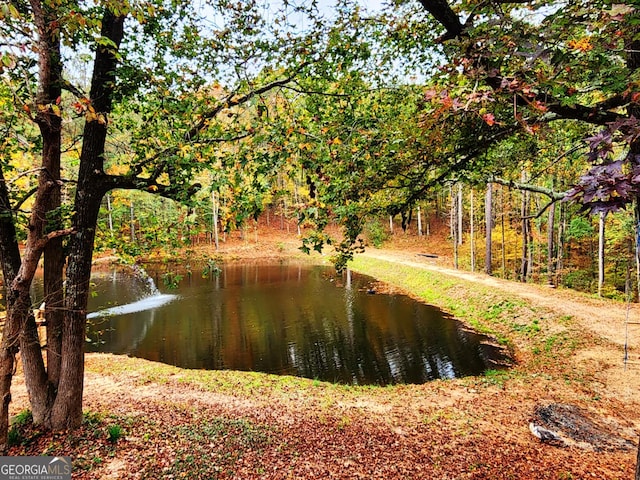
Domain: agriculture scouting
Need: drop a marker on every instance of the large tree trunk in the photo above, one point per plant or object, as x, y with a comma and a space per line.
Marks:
67, 408
92, 186
19, 307
39, 385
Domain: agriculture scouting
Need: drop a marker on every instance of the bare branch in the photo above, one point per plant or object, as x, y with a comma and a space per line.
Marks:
23, 174
24, 198
541, 211
69, 87
552, 194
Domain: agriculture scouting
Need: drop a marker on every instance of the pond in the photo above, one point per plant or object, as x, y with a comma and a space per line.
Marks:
285, 318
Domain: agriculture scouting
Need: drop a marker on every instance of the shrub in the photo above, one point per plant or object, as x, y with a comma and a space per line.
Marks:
375, 233
581, 280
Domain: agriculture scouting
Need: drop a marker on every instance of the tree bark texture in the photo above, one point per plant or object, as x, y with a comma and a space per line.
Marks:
92, 186
10, 258
50, 123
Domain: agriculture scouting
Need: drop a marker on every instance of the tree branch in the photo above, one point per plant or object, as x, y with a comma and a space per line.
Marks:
24, 198
231, 101
552, 194
315, 92
69, 87
55, 234
597, 114
541, 211
137, 168
442, 12
150, 184
462, 160
23, 174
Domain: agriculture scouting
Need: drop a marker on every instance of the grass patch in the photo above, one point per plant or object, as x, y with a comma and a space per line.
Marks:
114, 433
18, 424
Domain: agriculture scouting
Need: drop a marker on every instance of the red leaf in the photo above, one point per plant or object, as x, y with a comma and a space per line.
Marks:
489, 118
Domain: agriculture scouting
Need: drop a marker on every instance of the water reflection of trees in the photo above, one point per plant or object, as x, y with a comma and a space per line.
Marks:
294, 320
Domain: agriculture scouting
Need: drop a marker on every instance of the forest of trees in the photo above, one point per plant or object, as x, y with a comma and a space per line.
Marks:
147, 123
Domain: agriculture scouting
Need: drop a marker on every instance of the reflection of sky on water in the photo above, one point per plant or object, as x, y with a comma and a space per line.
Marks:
293, 319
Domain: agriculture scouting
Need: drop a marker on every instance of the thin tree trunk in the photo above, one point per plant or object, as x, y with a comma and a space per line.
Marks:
215, 208
601, 244
110, 215
503, 247
561, 244
489, 226
452, 217
460, 212
472, 232
297, 202
419, 222
454, 227
524, 213
551, 258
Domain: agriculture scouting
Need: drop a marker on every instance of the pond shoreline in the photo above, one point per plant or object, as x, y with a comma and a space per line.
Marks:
283, 316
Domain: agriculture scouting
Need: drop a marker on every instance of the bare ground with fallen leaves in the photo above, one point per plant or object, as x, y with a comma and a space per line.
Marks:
153, 421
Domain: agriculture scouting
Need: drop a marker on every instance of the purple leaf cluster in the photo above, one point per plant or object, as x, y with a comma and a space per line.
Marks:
610, 184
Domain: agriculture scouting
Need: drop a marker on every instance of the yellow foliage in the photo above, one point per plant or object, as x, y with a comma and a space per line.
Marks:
582, 44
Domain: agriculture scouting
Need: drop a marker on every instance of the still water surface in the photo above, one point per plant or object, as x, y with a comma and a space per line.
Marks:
288, 318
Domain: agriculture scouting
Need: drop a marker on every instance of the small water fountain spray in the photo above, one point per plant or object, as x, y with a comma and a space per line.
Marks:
152, 298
